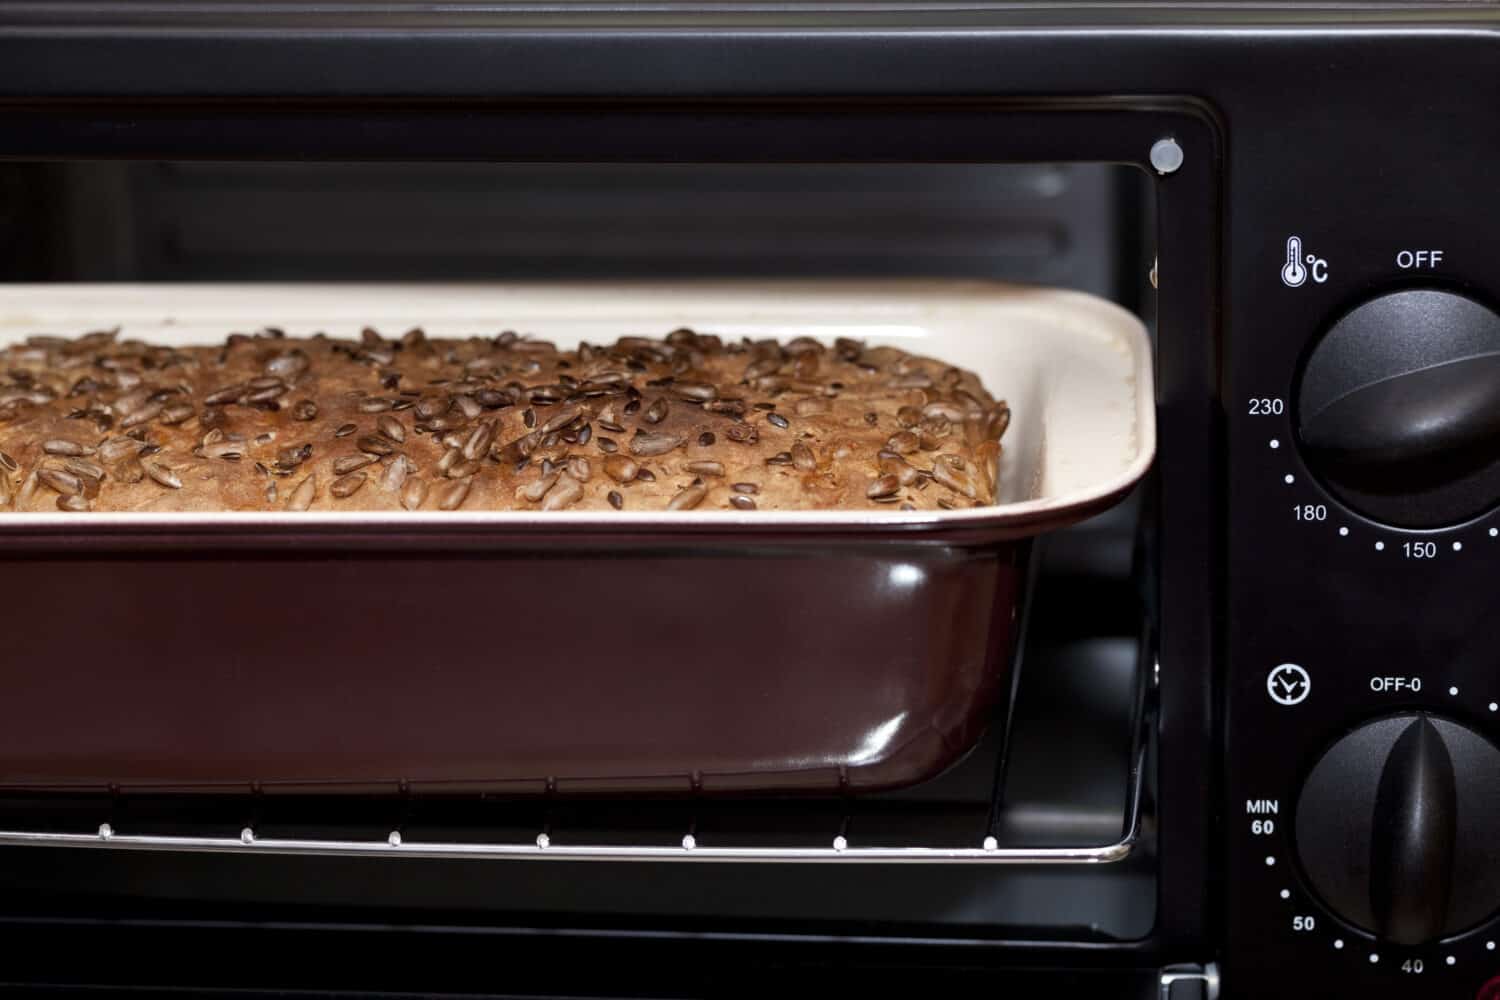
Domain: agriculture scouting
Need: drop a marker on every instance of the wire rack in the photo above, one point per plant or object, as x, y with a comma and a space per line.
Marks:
560, 834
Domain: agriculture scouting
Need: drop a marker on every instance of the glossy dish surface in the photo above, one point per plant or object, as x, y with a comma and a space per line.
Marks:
680, 652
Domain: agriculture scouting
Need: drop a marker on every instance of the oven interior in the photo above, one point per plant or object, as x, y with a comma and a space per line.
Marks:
1076, 769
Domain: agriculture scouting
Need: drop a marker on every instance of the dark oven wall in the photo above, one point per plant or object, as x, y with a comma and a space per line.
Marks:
1049, 224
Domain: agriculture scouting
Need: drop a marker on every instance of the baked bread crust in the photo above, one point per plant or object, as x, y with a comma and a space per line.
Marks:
267, 422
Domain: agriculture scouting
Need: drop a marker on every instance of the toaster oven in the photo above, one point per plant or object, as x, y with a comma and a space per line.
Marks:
1223, 727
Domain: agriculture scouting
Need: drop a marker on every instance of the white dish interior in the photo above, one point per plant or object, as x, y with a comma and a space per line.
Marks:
1075, 369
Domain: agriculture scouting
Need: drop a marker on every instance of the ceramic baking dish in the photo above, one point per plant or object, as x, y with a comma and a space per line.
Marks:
521, 652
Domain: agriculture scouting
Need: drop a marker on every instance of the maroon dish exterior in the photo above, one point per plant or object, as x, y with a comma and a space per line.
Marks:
344, 660
574, 652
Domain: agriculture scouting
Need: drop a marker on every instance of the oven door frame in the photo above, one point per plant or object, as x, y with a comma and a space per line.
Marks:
1184, 578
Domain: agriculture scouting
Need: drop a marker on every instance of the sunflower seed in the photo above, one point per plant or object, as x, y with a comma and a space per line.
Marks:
413, 494
912, 380
657, 411
903, 443
452, 495
430, 406
468, 406
84, 469
305, 410
951, 471
780, 458
580, 468
27, 491
464, 469
646, 475
72, 503
778, 420
762, 368
224, 396
163, 475
264, 394
615, 500
538, 489
803, 457
742, 502
743, 433
696, 392
884, 486
302, 497
892, 464
62, 446
288, 459
60, 481
271, 491
288, 365
729, 407
706, 439
621, 469
745, 488
346, 464
375, 445
935, 427
392, 428
176, 413
561, 420
706, 468
395, 474
564, 493
997, 422
951, 412
7, 463
346, 486
478, 443
688, 499
374, 404
648, 443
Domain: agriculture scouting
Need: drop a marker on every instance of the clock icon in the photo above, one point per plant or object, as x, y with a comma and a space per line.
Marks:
1288, 685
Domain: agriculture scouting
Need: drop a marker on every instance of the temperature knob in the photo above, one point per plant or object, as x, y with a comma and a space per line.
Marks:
1395, 828
1398, 411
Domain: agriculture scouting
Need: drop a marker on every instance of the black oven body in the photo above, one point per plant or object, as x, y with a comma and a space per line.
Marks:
1365, 133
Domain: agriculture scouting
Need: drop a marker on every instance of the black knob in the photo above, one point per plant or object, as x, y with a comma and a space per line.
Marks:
1399, 408
1396, 828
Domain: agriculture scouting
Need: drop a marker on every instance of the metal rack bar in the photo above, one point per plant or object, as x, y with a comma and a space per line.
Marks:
396, 845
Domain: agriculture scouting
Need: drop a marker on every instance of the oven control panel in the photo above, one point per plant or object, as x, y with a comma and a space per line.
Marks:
1363, 688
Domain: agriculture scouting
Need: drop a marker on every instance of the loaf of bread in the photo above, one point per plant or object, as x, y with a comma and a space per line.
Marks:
688, 422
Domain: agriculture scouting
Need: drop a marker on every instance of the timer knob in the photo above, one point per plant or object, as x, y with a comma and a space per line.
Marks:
1396, 828
1398, 410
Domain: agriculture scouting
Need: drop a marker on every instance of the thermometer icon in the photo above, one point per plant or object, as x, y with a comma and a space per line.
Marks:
1293, 274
